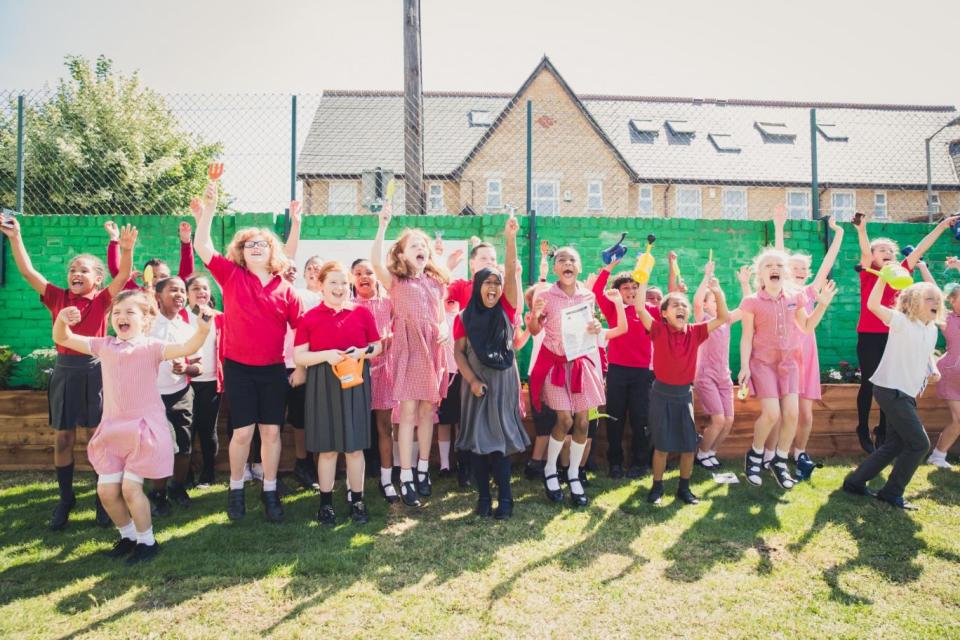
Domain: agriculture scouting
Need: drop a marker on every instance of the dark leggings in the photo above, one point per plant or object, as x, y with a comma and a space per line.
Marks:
206, 408
499, 464
870, 348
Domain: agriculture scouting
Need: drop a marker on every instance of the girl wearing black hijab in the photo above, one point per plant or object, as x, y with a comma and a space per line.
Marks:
490, 425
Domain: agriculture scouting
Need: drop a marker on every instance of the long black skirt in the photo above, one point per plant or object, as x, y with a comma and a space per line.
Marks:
336, 419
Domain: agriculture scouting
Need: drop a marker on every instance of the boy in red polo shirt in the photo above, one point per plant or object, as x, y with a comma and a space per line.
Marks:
675, 347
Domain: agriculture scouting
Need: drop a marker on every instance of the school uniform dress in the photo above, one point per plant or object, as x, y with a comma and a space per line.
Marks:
417, 357
381, 371
713, 385
75, 394
777, 340
336, 419
672, 426
949, 363
809, 356
175, 389
134, 435
256, 321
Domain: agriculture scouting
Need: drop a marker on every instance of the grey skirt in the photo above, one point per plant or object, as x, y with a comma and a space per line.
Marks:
671, 418
336, 419
75, 396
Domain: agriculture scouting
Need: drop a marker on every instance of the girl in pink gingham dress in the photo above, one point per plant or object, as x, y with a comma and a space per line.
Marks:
948, 388
417, 288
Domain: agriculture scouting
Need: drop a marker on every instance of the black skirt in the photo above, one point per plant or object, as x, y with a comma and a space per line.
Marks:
75, 396
336, 419
671, 418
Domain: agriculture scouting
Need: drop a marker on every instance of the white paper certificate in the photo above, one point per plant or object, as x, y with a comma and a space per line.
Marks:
573, 326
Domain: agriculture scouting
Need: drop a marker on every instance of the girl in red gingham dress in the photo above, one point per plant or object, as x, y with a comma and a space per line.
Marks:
417, 287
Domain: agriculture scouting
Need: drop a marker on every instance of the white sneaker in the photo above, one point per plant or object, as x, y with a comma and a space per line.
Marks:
939, 461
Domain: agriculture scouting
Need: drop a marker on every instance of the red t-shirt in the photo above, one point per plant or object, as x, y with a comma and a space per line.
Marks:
869, 322
256, 315
632, 349
93, 311
675, 352
459, 331
323, 328
460, 292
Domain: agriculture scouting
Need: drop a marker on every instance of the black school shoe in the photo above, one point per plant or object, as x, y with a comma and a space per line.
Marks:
272, 508
583, 477
326, 515
143, 552
121, 548
159, 504
533, 469
484, 507
179, 495
408, 494
636, 471
656, 493
236, 504
687, 496
504, 510
423, 483
103, 518
577, 499
61, 513
896, 501
391, 499
301, 473
358, 512
858, 490
615, 472
552, 496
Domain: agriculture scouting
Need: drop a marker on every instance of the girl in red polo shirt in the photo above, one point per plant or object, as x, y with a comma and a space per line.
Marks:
258, 305
774, 322
417, 285
675, 346
75, 395
337, 420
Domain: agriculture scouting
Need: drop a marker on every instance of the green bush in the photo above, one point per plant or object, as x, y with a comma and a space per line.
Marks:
8, 358
35, 369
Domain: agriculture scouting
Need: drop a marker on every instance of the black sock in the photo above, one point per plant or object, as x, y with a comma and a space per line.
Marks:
481, 475
657, 484
684, 484
501, 472
326, 498
65, 480
583, 471
356, 496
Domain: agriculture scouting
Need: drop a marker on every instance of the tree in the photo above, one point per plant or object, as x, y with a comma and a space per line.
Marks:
103, 144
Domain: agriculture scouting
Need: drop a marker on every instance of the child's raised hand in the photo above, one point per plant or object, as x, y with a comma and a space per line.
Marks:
949, 221
185, 229
128, 237
714, 286
681, 286
454, 259
210, 194
832, 223
214, 171
196, 207
538, 307
953, 262
672, 256
708, 269
69, 316
10, 227
744, 273
511, 228
295, 211
860, 220
827, 292
780, 215
386, 213
613, 295
112, 232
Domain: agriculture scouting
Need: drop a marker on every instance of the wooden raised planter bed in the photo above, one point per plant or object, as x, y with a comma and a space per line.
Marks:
26, 439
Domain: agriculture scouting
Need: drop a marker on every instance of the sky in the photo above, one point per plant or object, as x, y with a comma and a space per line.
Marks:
850, 50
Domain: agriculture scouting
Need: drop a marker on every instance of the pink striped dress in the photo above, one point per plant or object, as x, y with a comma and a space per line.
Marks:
417, 357
381, 372
133, 434
810, 359
563, 398
949, 364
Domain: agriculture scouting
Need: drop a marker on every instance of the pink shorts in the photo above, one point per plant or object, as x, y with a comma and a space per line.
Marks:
775, 379
714, 396
142, 448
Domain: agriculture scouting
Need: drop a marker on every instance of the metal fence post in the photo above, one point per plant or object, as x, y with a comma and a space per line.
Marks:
814, 182
533, 263
293, 164
20, 178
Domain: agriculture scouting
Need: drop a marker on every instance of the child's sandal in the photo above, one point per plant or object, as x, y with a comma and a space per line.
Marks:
781, 472
408, 493
752, 467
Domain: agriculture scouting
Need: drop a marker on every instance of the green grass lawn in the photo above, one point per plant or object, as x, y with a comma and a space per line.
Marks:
745, 562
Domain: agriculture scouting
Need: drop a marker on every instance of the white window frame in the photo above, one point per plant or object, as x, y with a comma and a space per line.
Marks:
434, 199
935, 200
853, 204
496, 205
536, 200
881, 213
726, 209
645, 212
681, 209
338, 205
595, 207
805, 214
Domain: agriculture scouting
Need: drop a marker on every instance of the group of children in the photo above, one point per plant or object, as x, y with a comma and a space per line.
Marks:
390, 343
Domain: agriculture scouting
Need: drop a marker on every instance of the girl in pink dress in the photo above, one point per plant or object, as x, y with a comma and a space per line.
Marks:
133, 440
948, 388
774, 321
571, 386
799, 265
417, 287
367, 293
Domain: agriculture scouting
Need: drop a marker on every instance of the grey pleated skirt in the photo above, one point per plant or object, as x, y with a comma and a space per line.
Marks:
671, 418
336, 419
75, 396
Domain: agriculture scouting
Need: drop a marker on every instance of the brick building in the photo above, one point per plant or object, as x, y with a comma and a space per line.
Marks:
633, 156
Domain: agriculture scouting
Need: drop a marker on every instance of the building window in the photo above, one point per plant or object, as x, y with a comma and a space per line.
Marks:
935, 202
843, 205
688, 202
343, 198
546, 197
595, 195
645, 202
734, 203
435, 198
798, 205
880, 204
494, 195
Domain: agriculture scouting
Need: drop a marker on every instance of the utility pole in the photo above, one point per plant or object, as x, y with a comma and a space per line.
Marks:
412, 109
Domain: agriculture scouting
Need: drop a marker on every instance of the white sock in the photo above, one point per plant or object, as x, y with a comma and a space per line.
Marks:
128, 532
423, 466
386, 476
712, 453
702, 455
783, 454
236, 484
270, 485
550, 464
396, 454
444, 446
406, 475
576, 455
797, 453
756, 452
768, 454
146, 537
938, 455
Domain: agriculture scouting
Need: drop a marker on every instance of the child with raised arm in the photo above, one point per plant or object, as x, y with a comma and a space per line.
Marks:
675, 347
774, 321
160, 268
259, 306
132, 441
900, 377
416, 285
75, 395
871, 331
